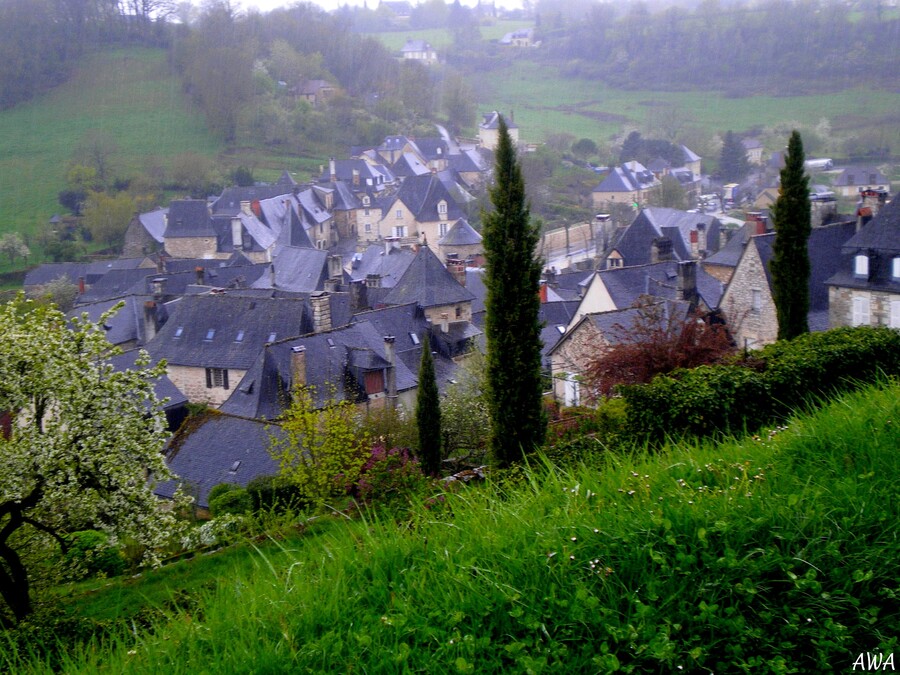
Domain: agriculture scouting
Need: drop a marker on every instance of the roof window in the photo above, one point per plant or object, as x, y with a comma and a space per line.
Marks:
414, 338
210, 334
271, 337
239, 337
178, 332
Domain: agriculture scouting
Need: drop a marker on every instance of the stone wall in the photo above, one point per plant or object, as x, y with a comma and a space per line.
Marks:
193, 247
751, 327
840, 306
191, 381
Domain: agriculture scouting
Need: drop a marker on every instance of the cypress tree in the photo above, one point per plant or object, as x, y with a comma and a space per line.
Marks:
512, 327
790, 267
428, 414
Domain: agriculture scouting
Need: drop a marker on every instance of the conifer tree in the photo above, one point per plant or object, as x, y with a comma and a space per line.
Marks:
428, 414
512, 328
790, 266
733, 162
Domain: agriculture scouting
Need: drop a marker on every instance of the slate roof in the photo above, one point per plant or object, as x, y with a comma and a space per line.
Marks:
461, 234
626, 285
421, 195
301, 270
378, 173
116, 284
468, 161
237, 327
189, 218
167, 393
689, 155
217, 449
635, 242
389, 266
879, 239
154, 222
629, 177
229, 202
433, 148
860, 175
491, 120
730, 253
475, 285
427, 282
408, 165
126, 325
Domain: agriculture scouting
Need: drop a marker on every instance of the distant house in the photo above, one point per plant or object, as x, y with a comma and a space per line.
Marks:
488, 130
419, 50
423, 210
656, 230
754, 150
628, 184
399, 11
316, 92
524, 37
748, 303
865, 289
851, 181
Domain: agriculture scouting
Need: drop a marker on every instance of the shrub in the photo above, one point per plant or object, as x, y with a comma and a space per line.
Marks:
389, 476
273, 493
236, 502
221, 489
89, 554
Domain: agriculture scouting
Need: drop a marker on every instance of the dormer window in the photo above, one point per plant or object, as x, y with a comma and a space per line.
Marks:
365, 200
442, 207
861, 265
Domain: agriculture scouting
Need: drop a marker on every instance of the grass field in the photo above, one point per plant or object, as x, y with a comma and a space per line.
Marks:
441, 38
128, 95
768, 554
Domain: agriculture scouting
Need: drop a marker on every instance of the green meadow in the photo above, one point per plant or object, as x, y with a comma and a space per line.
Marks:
773, 553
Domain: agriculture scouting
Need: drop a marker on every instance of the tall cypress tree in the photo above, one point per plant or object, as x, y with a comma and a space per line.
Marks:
428, 414
512, 328
790, 260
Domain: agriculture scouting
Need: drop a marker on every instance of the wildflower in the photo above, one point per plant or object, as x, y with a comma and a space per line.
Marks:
574, 538
551, 554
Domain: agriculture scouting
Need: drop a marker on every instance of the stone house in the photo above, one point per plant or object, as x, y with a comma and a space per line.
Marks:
422, 211
851, 181
418, 50
657, 233
488, 133
747, 302
628, 184
754, 150
865, 289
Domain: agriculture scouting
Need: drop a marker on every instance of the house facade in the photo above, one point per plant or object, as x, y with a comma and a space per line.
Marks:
488, 130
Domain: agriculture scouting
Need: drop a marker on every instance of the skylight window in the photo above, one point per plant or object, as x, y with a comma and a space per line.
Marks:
235, 466
414, 338
271, 337
178, 332
210, 334
330, 342
239, 337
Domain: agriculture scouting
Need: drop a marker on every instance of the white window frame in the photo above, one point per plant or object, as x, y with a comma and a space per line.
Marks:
861, 265
399, 214
895, 267
400, 231
755, 300
442, 207
443, 229
861, 313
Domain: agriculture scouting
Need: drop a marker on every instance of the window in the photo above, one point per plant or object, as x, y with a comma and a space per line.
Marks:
178, 332
860, 311
458, 312
895, 268
400, 231
239, 337
399, 214
442, 207
271, 337
895, 313
755, 300
368, 227
443, 229
366, 212
414, 338
210, 334
216, 378
861, 265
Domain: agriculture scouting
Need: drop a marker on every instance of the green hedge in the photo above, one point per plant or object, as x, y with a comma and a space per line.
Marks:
236, 501
763, 386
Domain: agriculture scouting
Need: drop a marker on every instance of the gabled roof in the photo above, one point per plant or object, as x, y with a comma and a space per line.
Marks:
218, 448
286, 179
377, 172
882, 233
166, 392
860, 175
629, 177
461, 234
428, 283
224, 331
229, 202
126, 325
409, 164
635, 242
390, 265
421, 194
626, 285
730, 253
491, 120
154, 222
468, 161
433, 148
301, 270
188, 218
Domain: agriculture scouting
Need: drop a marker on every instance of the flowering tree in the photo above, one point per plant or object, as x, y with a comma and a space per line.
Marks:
81, 444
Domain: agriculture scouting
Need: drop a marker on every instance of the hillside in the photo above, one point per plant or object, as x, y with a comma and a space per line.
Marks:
127, 95
773, 553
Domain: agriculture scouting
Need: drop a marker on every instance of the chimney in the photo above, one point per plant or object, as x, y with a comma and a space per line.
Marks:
445, 322
298, 365
81, 286
321, 311
457, 268
686, 283
272, 275
332, 170
236, 233
695, 244
255, 208
391, 357
150, 325
702, 241
335, 267
160, 265
542, 292
359, 296
158, 284
758, 218
199, 272
245, 208
355, 177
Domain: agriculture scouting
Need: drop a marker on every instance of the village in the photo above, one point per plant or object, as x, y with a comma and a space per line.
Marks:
335, 283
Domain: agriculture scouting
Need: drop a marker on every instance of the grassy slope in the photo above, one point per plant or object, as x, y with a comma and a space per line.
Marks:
128, 95
441, 38
730, 557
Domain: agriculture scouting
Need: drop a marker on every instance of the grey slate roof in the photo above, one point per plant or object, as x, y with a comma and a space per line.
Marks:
629, 177
461, 234
421, 195
126, 325
301, 270
224, 319
730, 253
860, 175
229, 202
389, 265
154, 222
379, 174
427, 282
491, 120
879, 239
626, 285
635, 242
189, 218
167, 393
218, 449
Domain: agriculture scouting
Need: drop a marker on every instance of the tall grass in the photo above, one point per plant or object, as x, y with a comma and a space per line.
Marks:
775, 553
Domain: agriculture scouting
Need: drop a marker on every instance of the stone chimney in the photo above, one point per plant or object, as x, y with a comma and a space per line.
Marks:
199, 272
237, 239
298, 365
390, 356
457, 268
359, 296
355, 177
245, 208
321, 311
332, 170
661, 250
150, 325
686, 283
445, 322
695, 244
335, 267
702, 241
158, 284
272, 275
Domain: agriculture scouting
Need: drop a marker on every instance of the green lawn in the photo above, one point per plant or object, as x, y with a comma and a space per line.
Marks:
441, 38
128, 95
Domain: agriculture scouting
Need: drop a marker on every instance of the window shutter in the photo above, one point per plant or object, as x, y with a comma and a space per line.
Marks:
224, 379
